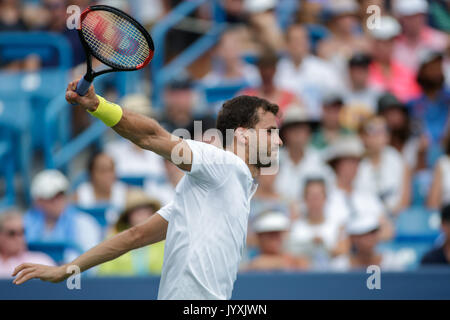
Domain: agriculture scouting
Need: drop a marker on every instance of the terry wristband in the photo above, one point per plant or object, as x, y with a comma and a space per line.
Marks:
110, 113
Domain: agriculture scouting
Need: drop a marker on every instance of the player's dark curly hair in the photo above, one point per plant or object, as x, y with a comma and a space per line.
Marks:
242, 112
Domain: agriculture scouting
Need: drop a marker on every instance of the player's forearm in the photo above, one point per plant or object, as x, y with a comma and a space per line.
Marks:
109, 249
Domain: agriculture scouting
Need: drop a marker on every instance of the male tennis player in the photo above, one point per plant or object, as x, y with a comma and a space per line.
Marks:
205, 226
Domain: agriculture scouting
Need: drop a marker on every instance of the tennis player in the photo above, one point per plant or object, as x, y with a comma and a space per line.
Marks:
205, 226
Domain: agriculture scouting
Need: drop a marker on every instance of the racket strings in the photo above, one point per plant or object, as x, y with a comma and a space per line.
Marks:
115, 39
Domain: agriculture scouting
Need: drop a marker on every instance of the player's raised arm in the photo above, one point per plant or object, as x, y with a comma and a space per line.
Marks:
150, 231
141, 130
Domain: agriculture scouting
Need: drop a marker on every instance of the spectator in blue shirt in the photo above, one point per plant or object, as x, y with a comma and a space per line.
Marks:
430, 111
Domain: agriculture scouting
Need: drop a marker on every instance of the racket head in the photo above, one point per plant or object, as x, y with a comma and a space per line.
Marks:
115, 38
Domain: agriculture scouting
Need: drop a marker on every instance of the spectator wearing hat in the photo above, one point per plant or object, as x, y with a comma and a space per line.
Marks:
430, 111
360, 99
267, 64
271, 228
315, 235
143, 261
411, 144
330, 125
345, 37
308, 76
439, 193
416, 34
52, 219
386, 72
129, 159
346, 200
298, 159
364, 232
180, 107
13, 249
382, 170
440, 255
228, 66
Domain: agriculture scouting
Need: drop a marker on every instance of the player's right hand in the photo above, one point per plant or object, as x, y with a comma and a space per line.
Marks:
89, 101
27, 271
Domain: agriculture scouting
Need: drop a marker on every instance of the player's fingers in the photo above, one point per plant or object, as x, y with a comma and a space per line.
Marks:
21, 267
24, 272
26, 277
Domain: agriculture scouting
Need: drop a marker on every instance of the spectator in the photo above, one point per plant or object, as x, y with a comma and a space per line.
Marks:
403, 137
102, 188
263, 23
307, 76
330, 128
386, 73
383, 170
316, 235
164, 189
416, 35
179, 104
344, 156
267, 64
440, 255
143, 261
298, 160
364, 231
11, 16
439, 194
53, 219
430, 111
345, 38
13, 250
228, 66
270, 229
360, 99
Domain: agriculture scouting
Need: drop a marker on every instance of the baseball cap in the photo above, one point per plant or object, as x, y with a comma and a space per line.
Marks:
48, 183
257, 6
388, 101
181, 82
271, 221
342, 7
387, 29
363, 224
359, 59
409, 7
332, 98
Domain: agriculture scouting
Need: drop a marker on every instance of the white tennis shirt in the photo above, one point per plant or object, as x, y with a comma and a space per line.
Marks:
207, 226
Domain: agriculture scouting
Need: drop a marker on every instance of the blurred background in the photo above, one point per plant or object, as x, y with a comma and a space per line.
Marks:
364, 95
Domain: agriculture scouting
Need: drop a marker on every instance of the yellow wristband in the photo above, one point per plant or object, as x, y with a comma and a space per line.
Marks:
110, 113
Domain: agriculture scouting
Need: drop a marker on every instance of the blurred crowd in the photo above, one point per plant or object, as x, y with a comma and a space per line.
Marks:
364, 117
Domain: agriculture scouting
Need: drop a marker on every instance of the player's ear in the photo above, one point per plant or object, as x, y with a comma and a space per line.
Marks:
240, 134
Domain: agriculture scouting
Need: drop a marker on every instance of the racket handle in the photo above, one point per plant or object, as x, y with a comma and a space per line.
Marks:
83, 86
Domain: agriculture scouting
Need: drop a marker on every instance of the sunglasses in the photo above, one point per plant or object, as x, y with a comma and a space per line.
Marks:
14, 233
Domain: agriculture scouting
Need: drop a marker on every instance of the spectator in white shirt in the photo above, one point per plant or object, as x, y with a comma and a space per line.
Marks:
346, 200
439, 194
315, 234
383, 171
364, 231
304, 74
298, 161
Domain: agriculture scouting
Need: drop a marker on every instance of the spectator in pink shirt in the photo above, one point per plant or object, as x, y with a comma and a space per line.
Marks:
416, 35
13, 251
386, 73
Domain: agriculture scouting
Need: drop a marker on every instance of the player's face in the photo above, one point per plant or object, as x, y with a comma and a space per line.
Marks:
268, 139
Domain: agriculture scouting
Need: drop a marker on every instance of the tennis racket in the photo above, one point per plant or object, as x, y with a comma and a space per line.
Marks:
114, 38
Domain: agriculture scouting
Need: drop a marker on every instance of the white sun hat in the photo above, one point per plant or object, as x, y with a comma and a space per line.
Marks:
48, 183
271, 221
363, 224
409, 7
388, 28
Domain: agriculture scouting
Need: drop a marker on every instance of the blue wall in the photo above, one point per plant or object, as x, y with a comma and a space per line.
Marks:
422, 284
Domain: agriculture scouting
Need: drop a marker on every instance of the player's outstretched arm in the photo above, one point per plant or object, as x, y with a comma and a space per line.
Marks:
143, 131
150, 231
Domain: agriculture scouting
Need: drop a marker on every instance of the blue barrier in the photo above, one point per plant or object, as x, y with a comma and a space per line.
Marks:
430, 283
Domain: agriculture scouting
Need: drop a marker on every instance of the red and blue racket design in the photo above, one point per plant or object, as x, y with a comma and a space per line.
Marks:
115, 39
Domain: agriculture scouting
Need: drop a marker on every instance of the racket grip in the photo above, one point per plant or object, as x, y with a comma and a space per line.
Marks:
83, 86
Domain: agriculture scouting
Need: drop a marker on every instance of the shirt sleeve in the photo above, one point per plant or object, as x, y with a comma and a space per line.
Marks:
166, 211
209, 163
